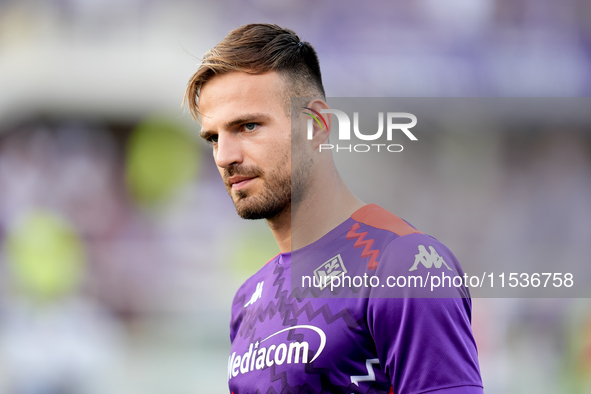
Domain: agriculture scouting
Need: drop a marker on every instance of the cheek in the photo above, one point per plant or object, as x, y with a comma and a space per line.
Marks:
221, 171
277, 147
285, 152
278, 158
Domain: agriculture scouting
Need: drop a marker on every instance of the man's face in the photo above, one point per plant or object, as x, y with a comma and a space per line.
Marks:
244, 118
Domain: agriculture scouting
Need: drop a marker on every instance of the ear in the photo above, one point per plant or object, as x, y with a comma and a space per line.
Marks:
321, 123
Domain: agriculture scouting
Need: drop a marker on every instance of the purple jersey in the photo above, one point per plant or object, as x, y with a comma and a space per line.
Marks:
286, 341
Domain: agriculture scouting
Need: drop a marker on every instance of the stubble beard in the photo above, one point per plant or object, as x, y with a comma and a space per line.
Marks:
280, 189
273, 198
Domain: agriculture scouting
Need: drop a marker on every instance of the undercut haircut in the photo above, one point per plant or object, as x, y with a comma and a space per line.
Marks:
256, 49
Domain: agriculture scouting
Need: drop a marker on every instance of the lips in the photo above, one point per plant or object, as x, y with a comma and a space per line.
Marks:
239, 182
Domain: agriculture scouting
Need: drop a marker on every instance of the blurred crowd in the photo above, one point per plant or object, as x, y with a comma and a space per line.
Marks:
98, 251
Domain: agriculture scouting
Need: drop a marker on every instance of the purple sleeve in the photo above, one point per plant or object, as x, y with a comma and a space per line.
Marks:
424, 344
237, 312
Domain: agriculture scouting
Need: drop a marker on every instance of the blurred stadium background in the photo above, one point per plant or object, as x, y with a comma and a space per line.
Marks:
120, 251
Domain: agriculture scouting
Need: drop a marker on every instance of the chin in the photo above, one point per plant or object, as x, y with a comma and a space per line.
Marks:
250, 213
254, 211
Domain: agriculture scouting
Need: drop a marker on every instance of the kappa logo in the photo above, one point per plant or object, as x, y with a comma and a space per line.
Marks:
258, 293
428, 259
333, 267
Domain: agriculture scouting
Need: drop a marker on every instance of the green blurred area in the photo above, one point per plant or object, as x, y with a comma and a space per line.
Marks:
161, 157
45, 255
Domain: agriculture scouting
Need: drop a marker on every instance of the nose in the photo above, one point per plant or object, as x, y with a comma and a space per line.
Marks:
228, 151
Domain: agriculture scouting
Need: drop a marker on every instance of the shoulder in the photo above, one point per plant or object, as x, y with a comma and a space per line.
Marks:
403, 252
398, 241
251, 284
254, 288
379, 218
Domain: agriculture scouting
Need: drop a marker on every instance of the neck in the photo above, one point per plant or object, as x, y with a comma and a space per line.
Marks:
327, 204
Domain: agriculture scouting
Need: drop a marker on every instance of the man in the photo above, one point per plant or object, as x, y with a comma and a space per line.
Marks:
296, 341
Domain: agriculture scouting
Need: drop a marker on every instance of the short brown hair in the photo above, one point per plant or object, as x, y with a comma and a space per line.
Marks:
256, 49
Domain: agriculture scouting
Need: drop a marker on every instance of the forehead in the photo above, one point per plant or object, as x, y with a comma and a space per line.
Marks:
237, 93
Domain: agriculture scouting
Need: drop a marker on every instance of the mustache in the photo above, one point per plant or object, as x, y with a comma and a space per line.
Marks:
242, 170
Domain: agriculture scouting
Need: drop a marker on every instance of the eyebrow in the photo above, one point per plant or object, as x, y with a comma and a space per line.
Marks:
247, 118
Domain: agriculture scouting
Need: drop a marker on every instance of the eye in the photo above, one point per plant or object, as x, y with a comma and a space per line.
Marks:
212, 139
250, 126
